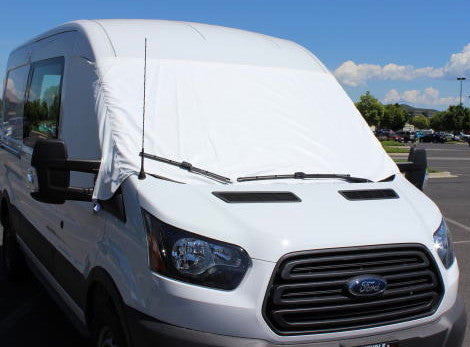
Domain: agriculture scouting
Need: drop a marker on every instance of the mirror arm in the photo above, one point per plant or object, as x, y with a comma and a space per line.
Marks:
74, 193
52, 170
406, 166
79, 165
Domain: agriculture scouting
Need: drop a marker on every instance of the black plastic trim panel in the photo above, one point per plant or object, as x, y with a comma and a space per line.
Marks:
64, 272
257, 197
369, 194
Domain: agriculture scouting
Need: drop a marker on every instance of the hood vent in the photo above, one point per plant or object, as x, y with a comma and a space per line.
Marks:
256, 197
369, 194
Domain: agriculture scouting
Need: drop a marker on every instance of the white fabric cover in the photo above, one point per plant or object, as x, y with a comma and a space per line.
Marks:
231, 119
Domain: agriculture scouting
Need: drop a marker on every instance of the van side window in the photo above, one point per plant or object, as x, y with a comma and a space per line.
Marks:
42, 108
14, 104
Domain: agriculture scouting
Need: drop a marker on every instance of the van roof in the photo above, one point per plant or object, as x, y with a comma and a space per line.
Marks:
187, 41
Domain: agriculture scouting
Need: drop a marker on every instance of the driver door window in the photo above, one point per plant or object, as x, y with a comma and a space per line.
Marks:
42, 107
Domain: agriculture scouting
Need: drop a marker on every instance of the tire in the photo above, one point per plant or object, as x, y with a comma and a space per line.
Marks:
107, 329
13, 263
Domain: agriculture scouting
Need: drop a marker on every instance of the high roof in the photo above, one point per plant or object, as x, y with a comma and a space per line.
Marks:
188, 41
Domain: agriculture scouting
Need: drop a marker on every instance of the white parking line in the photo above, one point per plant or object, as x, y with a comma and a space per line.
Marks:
463, 226
449, 158
465, 241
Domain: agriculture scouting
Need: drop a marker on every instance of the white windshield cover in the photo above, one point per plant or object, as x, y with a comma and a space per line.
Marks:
232, 119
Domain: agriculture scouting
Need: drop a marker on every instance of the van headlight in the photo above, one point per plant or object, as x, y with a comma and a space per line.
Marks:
192, 258
443, 245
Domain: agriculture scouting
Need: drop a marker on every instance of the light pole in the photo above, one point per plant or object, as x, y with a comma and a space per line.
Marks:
461, 79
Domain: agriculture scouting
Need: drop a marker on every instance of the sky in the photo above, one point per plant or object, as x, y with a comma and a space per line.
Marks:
406, 51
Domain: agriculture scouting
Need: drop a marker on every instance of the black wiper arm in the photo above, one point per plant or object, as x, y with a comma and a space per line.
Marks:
187, 166
303, 175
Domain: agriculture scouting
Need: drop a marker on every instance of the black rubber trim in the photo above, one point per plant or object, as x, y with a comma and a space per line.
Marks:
69, 278
388, 179
369, 194
59, 300
256, 197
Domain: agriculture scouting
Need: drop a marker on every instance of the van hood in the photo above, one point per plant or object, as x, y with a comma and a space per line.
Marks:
323, 218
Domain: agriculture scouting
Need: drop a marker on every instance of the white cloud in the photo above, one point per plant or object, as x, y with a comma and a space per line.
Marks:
392, 97
459, 63
427, 97
353, 74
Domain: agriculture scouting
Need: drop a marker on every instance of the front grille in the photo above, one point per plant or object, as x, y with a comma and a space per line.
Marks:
308, 292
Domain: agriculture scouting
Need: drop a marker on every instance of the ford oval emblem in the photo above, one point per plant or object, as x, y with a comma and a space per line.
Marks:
367, 285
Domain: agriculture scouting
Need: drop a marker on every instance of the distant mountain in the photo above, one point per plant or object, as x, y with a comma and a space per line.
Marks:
428, 112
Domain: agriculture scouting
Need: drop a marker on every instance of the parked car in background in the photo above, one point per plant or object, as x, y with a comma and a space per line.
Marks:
408, 136
446, 135
395, 137
387, 134
434, 138
465, 137
381, 134
421, 133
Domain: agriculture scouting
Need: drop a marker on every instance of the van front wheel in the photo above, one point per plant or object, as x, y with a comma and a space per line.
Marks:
14, 265
106, 338
107, 329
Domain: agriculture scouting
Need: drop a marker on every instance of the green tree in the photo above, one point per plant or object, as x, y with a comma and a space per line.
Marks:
465, 126
50, 94
454, 118
420, 121
463, 119
409, 116
437, 121
371, 109
394, 117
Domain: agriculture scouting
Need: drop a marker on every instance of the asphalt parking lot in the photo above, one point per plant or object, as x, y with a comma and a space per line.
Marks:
28, 317
452, 195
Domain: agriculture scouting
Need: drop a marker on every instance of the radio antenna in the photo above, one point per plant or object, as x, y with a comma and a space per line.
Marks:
142, 171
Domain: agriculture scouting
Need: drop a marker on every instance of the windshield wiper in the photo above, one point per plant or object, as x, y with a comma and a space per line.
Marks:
187, 166
303, 175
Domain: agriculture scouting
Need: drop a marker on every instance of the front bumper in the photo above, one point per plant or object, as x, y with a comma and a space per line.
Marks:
447, 331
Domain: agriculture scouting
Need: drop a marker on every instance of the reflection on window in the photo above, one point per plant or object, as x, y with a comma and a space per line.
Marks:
42, 108
12, 126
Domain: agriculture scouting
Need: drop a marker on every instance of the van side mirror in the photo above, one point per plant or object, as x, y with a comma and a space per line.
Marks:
416, 166
50, 160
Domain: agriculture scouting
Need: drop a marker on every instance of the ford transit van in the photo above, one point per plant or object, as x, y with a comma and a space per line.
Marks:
173, 184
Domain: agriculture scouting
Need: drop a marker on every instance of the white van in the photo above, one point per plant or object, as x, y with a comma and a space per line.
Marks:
175, 184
